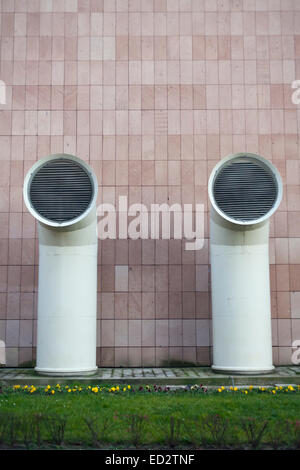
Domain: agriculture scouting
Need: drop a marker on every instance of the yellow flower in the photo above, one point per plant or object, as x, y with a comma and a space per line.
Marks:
117, 388
129, 387
274, 391
69, 390
219, 390
246, 392
235, 389
95, 389
52, 391
113, 389
124, 389
250, 387
16, 386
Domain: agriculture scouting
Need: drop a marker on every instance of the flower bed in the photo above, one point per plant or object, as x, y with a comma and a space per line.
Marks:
121, 389
143, 416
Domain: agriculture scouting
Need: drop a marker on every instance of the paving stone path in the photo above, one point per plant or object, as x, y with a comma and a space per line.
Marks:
149, 375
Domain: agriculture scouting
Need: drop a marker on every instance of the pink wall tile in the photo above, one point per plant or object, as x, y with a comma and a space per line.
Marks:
107, 333
135, 333
295, 304
283, 305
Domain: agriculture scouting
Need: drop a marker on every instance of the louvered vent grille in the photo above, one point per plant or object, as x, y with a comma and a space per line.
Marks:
61, 190
245, 189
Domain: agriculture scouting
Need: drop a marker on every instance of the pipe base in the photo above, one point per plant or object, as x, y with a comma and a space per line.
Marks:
65, 373
241, 370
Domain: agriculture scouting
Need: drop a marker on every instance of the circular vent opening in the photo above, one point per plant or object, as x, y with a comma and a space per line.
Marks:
245, 189
61, 190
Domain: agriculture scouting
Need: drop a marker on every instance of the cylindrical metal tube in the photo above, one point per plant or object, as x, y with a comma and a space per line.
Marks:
239, 257
67, 283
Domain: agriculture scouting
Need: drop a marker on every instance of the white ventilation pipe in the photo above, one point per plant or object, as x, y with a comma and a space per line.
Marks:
60, 191
244, 191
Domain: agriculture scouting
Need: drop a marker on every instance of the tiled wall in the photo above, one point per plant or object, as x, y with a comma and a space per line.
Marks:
152, 93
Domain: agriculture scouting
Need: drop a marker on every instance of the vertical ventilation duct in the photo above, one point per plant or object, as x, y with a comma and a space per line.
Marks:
244, 191
60, 191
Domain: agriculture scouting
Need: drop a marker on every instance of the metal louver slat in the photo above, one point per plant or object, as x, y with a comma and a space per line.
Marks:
245, 189
61, 190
